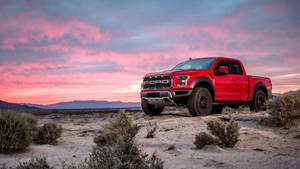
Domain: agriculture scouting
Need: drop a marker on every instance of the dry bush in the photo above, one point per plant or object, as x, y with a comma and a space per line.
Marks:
116, 149
37, 163
232, 133
48, 133
204, 138
16, 130
106, 138
151, 131
123, 127
121, 155
284, 109
228, 134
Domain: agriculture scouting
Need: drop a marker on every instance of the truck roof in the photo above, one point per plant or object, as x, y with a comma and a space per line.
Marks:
228, 58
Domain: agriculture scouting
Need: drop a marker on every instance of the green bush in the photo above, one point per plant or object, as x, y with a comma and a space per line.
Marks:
121, 155
284, 108
123, 126
116, 149
204, 138
17, 130
232, 133
228, 134
48, 133
37, 163
106, 138
120, 129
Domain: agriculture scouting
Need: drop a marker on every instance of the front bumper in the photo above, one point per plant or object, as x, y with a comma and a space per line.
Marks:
165, 98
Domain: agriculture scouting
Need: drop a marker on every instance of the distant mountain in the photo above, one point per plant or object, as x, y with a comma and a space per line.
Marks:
89, 104
297, 91
274, 95
17, 107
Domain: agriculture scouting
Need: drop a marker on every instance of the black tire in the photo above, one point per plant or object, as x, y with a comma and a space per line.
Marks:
200, 102
150, 109
258, 103
217, 109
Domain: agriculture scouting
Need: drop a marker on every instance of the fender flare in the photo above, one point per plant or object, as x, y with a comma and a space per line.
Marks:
206, 80
259, 85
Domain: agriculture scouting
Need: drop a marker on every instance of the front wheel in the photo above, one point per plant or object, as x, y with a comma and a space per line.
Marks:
200, 102
259, 101
150, 109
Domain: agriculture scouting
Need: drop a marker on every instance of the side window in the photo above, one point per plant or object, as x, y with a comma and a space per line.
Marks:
235, 68
221, 63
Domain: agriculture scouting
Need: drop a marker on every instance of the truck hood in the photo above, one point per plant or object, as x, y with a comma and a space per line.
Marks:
176, 72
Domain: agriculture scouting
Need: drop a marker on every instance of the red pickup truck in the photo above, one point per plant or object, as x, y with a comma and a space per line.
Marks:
204, 85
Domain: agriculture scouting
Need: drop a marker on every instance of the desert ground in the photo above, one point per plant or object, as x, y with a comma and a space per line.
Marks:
260, 147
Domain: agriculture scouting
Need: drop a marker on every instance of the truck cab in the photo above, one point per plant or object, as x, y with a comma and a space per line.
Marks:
204, 85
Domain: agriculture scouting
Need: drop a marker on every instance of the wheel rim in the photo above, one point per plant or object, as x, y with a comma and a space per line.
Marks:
203, 102
261, 101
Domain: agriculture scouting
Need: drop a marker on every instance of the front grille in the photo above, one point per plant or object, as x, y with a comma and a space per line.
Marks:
157, 82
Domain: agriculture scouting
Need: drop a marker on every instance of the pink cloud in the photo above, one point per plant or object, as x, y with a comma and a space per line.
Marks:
21, 29
45, 82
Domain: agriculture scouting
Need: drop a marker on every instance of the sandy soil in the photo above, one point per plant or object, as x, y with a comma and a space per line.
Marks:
260, 146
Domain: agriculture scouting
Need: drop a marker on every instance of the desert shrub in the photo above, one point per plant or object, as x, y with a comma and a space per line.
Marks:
228, 134
116, 148
121, 155
36, 163
217, 128
106, 138
151, 132
48, 133
17, 130
121, 128
204, 138
284, 108
232, 133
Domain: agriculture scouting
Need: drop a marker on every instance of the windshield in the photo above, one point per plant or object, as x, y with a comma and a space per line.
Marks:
204, 63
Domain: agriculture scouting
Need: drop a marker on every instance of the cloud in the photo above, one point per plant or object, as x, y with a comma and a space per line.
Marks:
54, 51
22, 29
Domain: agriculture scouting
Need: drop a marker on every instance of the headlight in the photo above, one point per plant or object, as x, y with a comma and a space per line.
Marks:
182, 80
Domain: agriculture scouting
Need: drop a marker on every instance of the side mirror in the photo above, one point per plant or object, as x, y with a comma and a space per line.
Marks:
223, 69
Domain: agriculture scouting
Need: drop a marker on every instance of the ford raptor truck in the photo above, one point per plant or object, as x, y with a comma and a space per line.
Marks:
204, 85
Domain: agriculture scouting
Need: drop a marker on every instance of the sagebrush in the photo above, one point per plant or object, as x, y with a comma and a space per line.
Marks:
284, 109
116, 148
48, 134
151, 131
228, 134
17, 130
35, 163
204, 138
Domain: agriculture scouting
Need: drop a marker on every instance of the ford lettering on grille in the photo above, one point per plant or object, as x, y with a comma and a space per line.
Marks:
157, 82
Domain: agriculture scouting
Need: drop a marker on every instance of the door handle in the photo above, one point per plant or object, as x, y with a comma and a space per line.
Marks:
234, 80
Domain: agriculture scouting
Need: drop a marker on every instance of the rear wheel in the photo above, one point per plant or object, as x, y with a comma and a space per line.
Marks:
150, 109
259, 101
200, 102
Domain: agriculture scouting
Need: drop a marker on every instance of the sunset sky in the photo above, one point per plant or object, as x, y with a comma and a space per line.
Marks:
64, 50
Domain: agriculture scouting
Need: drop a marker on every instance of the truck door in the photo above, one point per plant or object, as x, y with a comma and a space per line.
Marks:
239, 80
224, 85
231, 86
